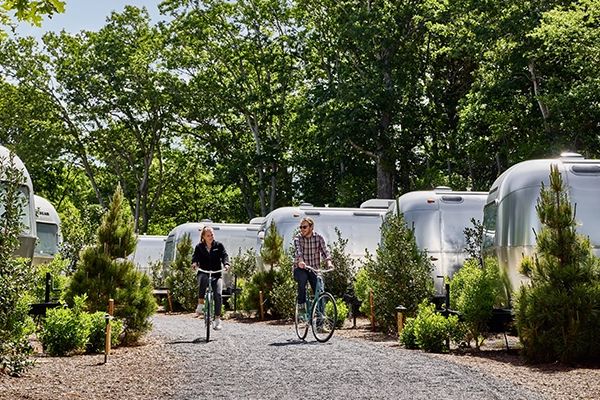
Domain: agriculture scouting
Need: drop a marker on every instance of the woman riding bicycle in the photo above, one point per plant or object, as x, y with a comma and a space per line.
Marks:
209, 255
309, 246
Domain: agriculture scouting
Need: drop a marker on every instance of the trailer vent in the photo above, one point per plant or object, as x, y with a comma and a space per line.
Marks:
365, 214
452, 199
586, 169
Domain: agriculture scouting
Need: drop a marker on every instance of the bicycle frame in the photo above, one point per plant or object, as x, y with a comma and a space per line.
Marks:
321, 311
209, 301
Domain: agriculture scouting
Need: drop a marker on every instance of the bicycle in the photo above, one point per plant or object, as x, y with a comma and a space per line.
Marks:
209, 302
321, 311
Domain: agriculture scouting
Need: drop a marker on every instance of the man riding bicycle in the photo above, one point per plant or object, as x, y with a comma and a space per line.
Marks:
309, 246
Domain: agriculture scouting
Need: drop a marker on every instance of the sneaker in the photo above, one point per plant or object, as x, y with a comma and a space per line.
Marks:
301, 309
199, 309
218, 324
302, 316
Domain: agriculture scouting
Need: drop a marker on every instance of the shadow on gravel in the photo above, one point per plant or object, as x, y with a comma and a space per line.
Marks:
195, 341
292, 342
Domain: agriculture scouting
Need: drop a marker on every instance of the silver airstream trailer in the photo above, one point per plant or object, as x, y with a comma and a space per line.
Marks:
235, 238
148, 250
48, 231
28, 235
510, 217
439, 218
360, 226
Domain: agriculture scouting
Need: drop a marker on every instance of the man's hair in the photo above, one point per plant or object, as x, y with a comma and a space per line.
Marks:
308, 220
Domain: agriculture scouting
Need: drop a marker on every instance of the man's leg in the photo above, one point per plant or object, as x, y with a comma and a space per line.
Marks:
301, 276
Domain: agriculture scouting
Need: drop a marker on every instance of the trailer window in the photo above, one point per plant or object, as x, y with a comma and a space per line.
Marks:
24, 199
48, 239
489, 224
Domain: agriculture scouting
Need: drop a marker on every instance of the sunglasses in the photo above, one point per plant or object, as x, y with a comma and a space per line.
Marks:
303, 226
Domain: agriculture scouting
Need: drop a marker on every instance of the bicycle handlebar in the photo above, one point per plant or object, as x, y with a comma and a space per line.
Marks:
211, 272
319, 270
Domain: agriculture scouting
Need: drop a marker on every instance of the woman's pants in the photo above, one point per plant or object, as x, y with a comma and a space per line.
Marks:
217, 287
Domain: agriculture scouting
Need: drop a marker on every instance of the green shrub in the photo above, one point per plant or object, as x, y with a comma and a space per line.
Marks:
65, 331
473, 293
342, 313
362, 287
408, 336
16, 276
243, 265
432, 330
97, 338
58, 270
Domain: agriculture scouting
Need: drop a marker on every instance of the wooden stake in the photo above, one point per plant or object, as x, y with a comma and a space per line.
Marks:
111, 306
262, 308
372, 311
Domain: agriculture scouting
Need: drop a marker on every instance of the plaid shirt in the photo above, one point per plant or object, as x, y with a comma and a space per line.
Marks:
310, 249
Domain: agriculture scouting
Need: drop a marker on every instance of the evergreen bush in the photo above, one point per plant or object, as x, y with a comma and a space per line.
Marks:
557, 313
272, 252
400, 274
182, 281
283, 295
104, 272
339, 281
261, 281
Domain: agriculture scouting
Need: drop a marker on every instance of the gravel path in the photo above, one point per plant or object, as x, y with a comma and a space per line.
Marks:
253, 361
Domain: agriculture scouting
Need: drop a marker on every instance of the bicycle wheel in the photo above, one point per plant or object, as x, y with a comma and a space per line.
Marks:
324, 317
208, 314
301, 324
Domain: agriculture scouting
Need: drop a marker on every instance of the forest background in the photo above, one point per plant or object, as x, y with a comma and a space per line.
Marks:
229, 109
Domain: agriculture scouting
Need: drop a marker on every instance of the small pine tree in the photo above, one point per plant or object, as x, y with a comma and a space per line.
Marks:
104, 273
272, 251
339, 281
400, 274
557, 312
182, 282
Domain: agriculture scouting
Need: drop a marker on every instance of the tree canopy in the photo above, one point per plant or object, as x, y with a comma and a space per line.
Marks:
226, 110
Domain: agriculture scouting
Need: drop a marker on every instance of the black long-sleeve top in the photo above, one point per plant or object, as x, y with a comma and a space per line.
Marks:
212, 260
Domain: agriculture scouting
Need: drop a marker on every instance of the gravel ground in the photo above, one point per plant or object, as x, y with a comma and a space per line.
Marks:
266, 361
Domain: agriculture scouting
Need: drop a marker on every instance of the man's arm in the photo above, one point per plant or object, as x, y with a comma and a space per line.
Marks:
325, 252
298, 253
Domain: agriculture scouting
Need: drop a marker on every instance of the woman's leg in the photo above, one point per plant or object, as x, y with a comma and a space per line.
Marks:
217, 286
202, 285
